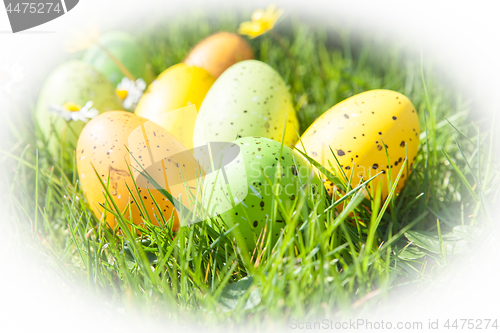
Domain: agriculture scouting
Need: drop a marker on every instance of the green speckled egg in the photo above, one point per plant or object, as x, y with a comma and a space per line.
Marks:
249, 99
126, 49
252, 195
76, 83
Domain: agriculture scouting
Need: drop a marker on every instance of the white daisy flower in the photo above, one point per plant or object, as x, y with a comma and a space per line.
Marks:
130, 92
74, 112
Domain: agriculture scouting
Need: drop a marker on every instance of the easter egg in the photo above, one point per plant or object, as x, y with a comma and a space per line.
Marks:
250, 201
125, 150
62, 110
218, 52
126, 49
248, 99
360, 130
178, 86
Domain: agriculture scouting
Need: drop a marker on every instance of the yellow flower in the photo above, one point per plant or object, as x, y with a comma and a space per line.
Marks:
72, 107
262, 21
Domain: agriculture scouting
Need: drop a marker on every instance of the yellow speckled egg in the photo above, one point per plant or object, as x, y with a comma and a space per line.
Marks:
117, 142
357, 129
178, 86
218, 52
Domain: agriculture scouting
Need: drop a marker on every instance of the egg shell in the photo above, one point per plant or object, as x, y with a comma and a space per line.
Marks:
359, 130
178, 86
114, 143
218, 52
248, 99
123, 47
246, 177
72, 82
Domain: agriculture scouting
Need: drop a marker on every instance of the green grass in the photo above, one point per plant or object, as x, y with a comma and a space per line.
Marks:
350, 263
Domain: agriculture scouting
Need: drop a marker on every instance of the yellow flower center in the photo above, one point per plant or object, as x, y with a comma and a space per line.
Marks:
122, 93
72, 107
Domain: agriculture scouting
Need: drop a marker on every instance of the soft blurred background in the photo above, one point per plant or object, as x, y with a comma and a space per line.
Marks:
459, 39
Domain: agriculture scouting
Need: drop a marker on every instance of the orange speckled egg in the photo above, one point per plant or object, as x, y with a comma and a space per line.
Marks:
359, 130
117, 142
218, 52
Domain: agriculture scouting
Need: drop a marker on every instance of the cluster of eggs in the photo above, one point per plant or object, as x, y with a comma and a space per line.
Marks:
218, 94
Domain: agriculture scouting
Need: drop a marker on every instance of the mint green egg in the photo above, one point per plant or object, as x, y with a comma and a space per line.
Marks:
124, 48
249, 99
242, 194
74, 82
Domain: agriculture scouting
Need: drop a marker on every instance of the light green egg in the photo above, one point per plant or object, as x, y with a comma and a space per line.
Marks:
124, 48
249, 99
242, 193
71, 83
